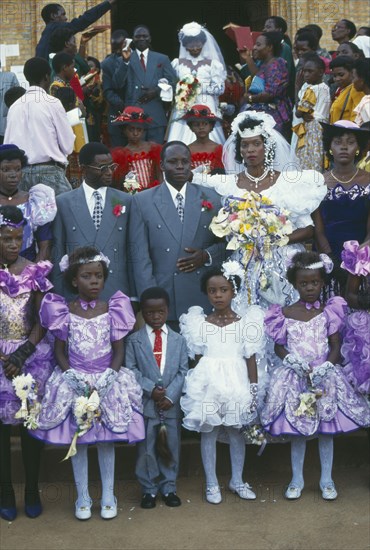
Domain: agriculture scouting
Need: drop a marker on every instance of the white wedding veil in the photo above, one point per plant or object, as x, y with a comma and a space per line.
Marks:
210, 48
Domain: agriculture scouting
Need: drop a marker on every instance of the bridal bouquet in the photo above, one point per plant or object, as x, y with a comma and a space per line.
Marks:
186, 92
25, 389
86, 410
131, 184
253, 224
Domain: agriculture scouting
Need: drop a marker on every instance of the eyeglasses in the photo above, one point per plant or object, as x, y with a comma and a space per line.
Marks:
104, 169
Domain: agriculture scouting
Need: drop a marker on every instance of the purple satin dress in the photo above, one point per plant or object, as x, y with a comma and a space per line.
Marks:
340, 409
17, 317
90, 352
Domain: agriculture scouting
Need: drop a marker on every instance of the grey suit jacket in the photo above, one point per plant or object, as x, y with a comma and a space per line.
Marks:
135, 78
158, 238
140, 359
73, 227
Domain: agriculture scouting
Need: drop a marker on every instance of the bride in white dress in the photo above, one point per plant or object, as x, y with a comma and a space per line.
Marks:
201, 57
257, 158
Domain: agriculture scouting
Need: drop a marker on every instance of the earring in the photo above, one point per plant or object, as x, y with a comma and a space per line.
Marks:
330, 152
357, 153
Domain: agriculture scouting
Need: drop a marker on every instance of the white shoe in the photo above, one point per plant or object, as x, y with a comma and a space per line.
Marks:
293, 492
329, 492
213, 495
243, 490
83, 512
109, 512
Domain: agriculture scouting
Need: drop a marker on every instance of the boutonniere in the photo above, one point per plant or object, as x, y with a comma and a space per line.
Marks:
159, 65
118, 208
206, 205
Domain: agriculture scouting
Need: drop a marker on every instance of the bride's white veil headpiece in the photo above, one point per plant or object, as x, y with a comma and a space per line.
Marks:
210, 48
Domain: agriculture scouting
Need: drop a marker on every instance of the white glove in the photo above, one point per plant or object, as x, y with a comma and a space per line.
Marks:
105, 382
301, 367
76, 381
321, 372
253, 390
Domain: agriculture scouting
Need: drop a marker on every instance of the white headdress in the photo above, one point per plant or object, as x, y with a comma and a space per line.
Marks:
210, 48
278, 155
64, 262
230, 269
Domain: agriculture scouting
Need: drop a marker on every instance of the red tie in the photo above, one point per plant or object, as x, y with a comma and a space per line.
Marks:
142, 61
157, 350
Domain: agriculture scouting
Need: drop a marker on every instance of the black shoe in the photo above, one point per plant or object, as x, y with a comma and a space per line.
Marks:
171, 500
147, 501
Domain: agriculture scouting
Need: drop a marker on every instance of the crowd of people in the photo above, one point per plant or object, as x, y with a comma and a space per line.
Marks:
184, 244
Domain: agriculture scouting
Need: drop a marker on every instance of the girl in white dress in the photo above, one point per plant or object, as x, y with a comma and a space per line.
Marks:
201, 57
220, 392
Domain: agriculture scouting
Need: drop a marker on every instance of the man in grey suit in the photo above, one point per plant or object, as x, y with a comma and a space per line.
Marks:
159, 359
94, 214
141, 70
170, 242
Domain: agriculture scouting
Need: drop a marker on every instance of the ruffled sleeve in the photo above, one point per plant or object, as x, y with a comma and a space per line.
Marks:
253, 333
356, 260
43, 205
300, 193
335, 311
33, 277
275, 325
223, 184
54, 315
216, 86
191, 328
122, 318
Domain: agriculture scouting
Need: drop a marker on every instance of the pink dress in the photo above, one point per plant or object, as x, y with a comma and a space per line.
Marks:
17, 316
340, 409
90, 352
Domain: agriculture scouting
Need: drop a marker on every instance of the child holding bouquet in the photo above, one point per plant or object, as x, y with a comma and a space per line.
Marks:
309, 394
89, 393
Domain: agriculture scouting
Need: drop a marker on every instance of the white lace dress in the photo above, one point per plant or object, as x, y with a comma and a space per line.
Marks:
217, 390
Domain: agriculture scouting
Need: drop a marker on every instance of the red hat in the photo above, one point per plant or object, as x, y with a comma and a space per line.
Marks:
200, 112
134, 116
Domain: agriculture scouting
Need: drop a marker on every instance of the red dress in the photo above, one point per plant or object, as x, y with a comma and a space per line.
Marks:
144, 164
213, 160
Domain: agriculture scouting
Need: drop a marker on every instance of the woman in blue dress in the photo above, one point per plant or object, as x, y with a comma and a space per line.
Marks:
344, 214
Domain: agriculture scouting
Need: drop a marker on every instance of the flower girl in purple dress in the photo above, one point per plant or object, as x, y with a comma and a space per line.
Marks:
309, 394
89, 393
24, 353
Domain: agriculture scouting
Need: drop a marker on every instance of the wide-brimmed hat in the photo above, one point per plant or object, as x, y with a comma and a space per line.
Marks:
343, 127
135, 116
200, 112
9, 151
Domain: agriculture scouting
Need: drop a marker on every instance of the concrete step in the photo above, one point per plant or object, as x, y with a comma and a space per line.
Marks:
350, 451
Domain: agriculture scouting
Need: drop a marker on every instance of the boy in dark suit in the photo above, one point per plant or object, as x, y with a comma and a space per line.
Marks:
159, 358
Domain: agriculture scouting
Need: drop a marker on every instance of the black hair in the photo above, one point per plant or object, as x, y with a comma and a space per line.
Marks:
119, 33
249, 123
61, 60
302, 260
314, 58
315, 29
13, 94
212, 122
59, 38
365, 125
216, 272
353, 47
169, 144
76, 260
95, 61
367, 31
154, 293
66, 96
36, 69
342, 61
140, 27
90, 150
201, 37
361, 137
12, 214
279, 23
302, 35
362, 67
273, 39
13, 154
49, 10
351, 27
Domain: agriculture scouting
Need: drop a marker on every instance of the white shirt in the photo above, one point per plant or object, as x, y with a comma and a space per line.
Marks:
164, 335
89, 196
174, 192
38, 124
145, 54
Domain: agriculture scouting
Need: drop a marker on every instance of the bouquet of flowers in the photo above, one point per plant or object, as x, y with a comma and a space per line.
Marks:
131, 184
26, 390
85, 411
186, 92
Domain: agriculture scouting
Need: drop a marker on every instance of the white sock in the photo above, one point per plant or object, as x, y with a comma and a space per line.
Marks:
106, 455
80, 473
326, 452
237, 456
297, 453
208, 451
